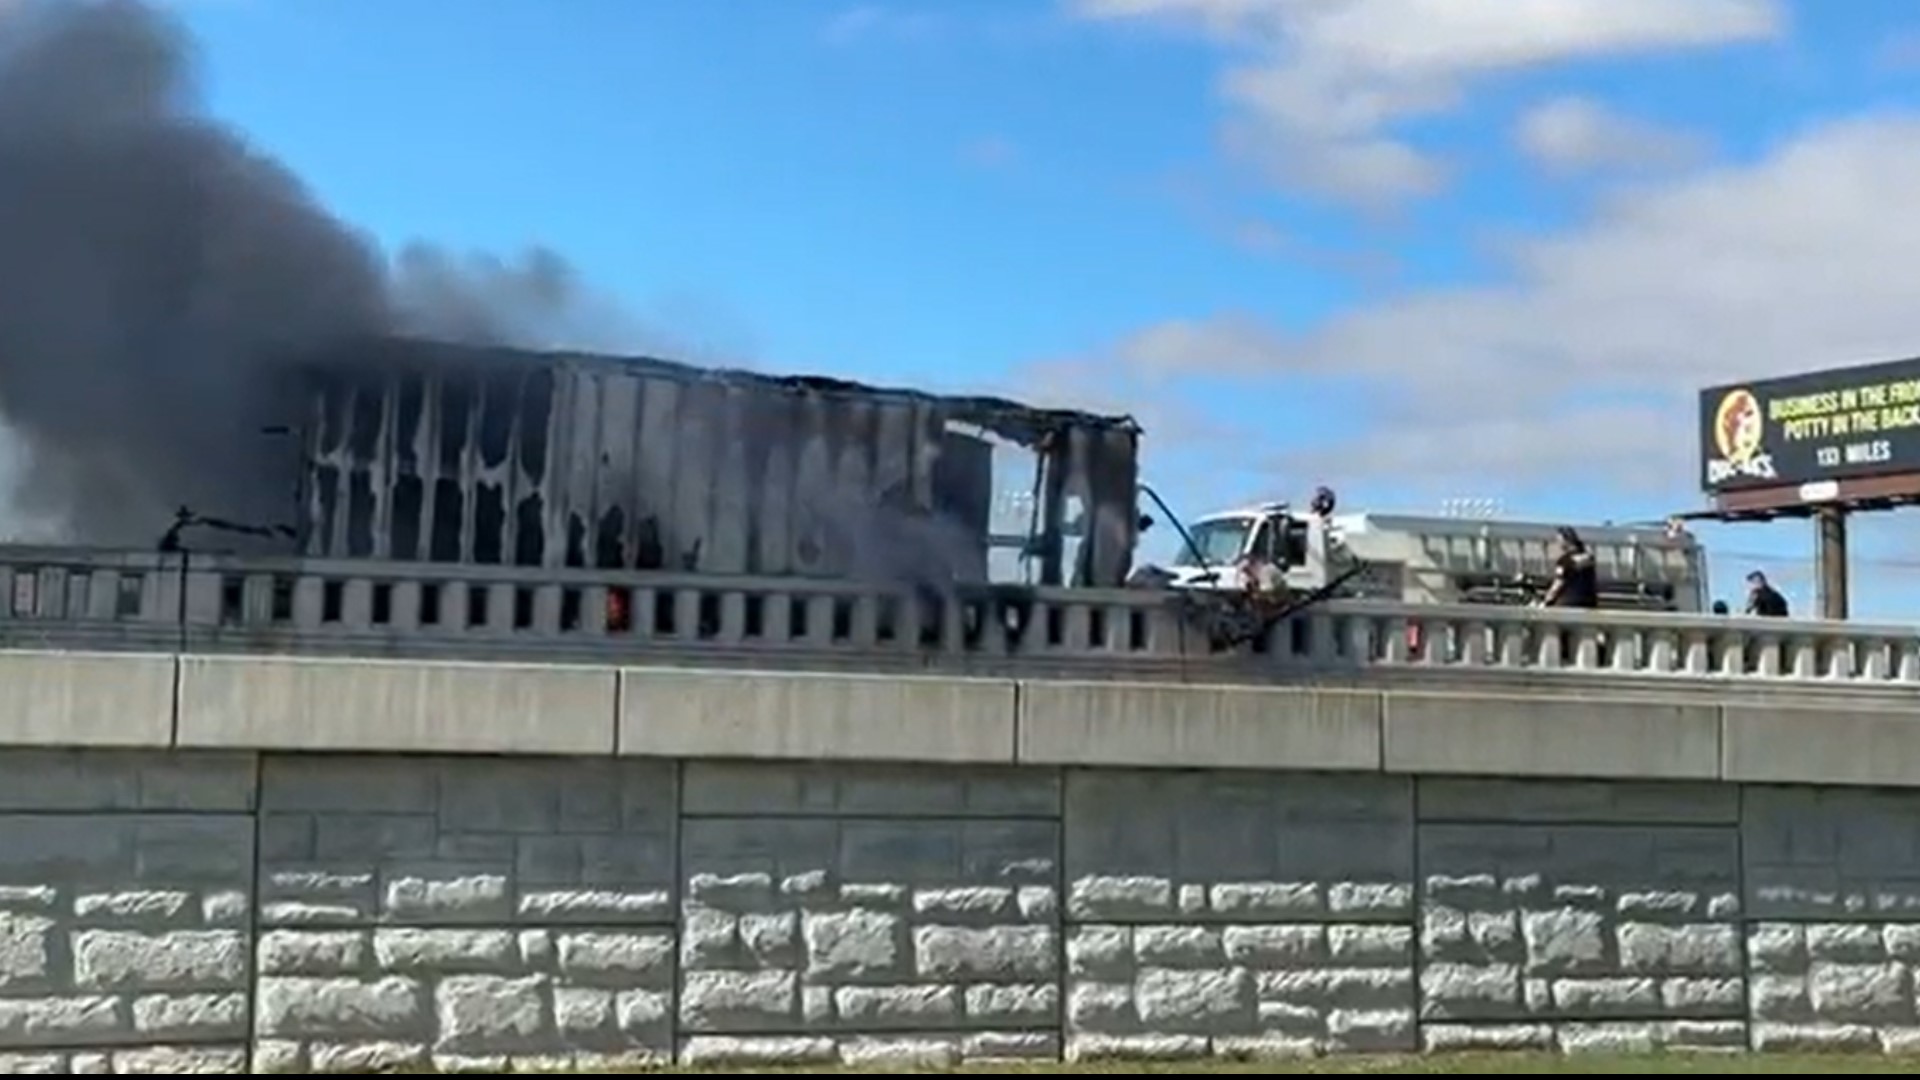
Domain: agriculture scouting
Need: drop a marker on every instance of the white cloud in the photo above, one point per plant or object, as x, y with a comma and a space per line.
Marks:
1258, 237
1096, 386
868, 21
1323, 83
1585, 363
990, 152
1573, 134
1899, 53
1215, 208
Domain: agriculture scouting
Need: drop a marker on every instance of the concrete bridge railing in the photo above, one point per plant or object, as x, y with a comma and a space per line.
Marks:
63, 598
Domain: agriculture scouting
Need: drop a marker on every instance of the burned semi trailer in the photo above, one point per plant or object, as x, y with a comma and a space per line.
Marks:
446, 453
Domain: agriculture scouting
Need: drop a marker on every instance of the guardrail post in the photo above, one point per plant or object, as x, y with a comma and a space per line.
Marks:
1395, 634
864, 623
356, 609
1076, 626
733, 617
643, 612
1626, 648
593, 610
1908, 660
546, 609
776, 617
1475, 647
1662, 653
456, 605
500, 597
1805, 657
1697, 653
404, 608
818, 631
1842, 658
1586, 648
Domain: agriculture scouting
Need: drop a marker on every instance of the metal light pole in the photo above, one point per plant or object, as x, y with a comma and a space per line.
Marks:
173, 542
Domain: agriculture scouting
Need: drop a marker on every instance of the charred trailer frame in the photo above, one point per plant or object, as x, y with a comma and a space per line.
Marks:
425, 451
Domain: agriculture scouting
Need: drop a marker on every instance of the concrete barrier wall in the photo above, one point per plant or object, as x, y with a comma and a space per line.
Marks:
209, 911
1791, 735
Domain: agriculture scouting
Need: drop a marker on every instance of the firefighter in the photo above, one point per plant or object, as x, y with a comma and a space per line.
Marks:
1763, 600
1576, 579
1323, 503
619, 611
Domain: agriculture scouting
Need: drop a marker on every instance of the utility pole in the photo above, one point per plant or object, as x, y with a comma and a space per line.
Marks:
1831, 555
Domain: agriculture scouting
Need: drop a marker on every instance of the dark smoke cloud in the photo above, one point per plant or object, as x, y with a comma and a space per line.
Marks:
537, 301
154, 267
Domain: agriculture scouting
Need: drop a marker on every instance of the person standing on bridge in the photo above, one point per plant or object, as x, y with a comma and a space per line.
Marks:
1576, 580
1763, 599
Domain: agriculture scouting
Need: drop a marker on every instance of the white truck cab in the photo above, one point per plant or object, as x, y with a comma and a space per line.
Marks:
1270, 533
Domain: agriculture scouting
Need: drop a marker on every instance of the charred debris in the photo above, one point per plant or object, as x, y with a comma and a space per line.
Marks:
426, 451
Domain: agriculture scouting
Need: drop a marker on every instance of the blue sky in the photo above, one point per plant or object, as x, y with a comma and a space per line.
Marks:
1399, 245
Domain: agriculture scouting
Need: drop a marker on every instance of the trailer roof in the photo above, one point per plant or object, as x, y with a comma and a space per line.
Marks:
421, 354
1440, 524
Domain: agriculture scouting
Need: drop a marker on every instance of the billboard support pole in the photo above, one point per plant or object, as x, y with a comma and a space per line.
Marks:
1832, 560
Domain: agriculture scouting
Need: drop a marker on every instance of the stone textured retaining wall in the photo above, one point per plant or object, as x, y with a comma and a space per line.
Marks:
473, 911
1580, 916
125, 912
294, 913
849, 914
1238, 913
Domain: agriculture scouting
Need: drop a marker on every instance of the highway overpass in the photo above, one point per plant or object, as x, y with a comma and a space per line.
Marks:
290, 817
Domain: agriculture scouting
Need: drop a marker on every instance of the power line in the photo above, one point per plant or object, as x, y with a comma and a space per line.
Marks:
1881, 562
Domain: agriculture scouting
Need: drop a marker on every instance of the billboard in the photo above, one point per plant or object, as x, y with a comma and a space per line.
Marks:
1805, 429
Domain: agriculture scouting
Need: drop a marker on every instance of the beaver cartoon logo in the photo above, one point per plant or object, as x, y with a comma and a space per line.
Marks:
1738, 428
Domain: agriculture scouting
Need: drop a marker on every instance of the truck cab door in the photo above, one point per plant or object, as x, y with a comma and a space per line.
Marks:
1294, 541
1285, 543
1259, 543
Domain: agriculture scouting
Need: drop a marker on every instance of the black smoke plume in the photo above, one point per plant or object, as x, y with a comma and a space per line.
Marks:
154, 268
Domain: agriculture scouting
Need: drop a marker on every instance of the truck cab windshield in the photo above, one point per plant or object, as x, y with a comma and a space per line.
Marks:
1221, 541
